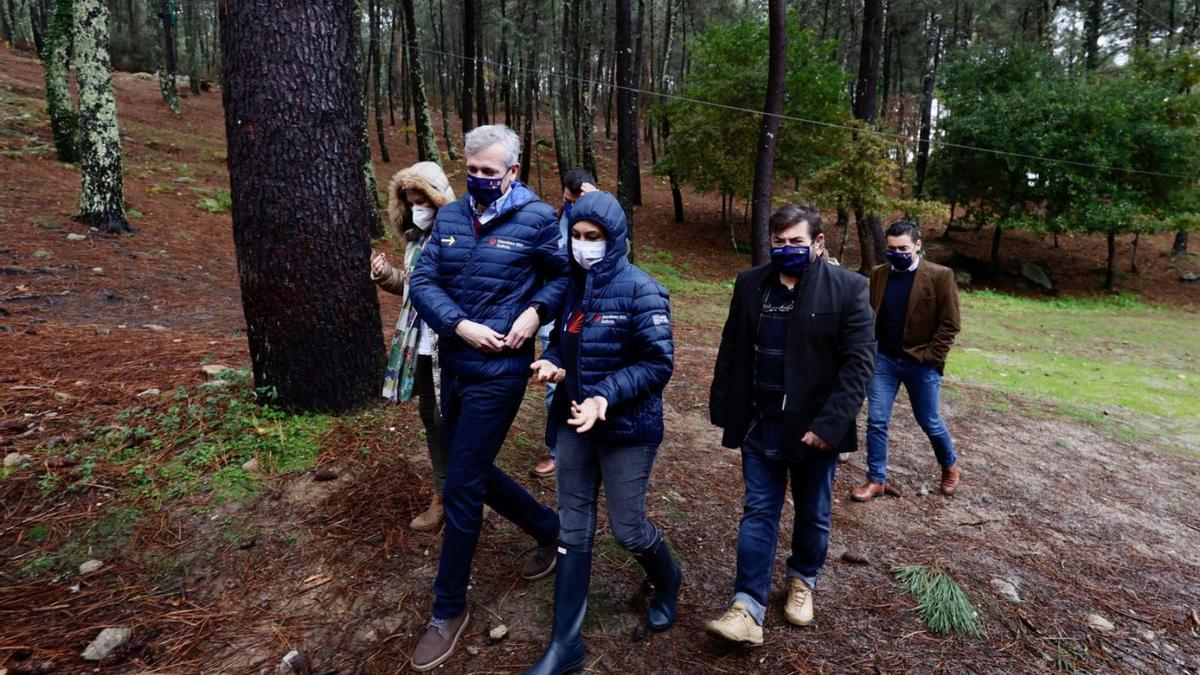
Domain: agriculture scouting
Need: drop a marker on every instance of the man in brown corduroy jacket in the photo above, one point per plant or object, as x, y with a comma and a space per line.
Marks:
916, 320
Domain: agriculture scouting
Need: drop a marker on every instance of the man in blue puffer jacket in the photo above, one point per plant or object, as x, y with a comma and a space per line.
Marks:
612, 354
491, 273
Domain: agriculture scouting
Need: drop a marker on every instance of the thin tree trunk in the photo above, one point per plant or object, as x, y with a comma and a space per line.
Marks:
1091, 29
64, 120
192, 35
1133, 266
628, 175
870, 228
427, 149
933, 40
1110, 269
995, 259
373, 69
392, 74
764, 166
481, 113
167, 69
531, 153
467, 108
364, 127
451, 151
314, 338
101, 192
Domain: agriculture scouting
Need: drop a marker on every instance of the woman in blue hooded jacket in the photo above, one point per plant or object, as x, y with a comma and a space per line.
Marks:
611, 354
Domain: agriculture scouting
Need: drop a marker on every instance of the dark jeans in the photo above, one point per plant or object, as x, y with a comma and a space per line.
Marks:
477, 416
765, 482
584, 464
924, 386
431, 419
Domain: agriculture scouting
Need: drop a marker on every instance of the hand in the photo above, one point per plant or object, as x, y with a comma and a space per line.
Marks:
544, 371
522, 329
479, 336
816, 441
584, 415
379, 264
585, 188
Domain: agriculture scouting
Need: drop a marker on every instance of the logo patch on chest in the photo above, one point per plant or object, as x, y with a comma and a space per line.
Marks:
610, 319
506, 244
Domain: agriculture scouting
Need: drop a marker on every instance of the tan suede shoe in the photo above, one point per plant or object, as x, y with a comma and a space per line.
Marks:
736, 625
949, 480
799, 606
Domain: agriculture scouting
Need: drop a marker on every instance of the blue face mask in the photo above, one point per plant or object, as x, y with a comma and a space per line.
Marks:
791, 260
900, 261
485, 190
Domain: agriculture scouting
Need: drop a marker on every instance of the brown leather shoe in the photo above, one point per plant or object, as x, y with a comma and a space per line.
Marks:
868, 491
539, 563
544, 468
949, 480
436, 644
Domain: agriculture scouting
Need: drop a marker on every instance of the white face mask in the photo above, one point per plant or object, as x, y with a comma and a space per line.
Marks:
422, 217
588, 253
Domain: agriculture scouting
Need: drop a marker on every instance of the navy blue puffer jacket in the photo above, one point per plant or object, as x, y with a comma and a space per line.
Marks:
491, 279
626, 353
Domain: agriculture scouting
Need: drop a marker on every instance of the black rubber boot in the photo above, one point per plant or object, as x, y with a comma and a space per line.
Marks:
565, 653
667, 577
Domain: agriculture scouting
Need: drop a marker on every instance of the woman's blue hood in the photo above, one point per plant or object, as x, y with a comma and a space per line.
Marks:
603, 209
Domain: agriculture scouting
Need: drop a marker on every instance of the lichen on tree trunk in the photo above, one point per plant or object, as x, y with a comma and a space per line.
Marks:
100, 195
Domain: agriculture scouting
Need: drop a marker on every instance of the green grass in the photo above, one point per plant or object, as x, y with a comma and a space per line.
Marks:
1117, 362
676, 277
220, 202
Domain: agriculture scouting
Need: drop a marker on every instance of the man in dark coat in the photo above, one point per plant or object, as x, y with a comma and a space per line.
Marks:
796, 356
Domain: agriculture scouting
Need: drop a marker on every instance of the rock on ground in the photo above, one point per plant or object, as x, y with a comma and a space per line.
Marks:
108, 640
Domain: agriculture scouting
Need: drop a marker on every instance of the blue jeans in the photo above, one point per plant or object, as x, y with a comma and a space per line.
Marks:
924, 386
476, 417
583, 464
766, 482
544, 336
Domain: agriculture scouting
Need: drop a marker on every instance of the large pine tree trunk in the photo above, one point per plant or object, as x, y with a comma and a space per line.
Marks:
764, 165
870, 228
167, 65
64, 120
100, 195
293, 111
629, 186
1091, 30
427, 149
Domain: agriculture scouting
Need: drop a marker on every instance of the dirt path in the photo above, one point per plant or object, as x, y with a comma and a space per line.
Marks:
1075, 522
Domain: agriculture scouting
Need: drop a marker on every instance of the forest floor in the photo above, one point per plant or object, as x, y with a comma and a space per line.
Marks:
1075, 419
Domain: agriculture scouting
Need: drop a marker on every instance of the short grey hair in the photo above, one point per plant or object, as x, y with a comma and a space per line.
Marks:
481, 138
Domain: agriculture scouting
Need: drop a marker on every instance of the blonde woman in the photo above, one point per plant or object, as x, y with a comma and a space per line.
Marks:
414, 196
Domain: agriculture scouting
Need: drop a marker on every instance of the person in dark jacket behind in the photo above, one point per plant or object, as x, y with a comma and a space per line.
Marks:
611, 355
491, 273
792, 371
916, 304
